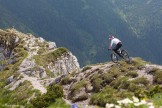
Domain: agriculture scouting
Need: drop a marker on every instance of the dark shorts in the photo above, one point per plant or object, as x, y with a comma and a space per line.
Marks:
116, 48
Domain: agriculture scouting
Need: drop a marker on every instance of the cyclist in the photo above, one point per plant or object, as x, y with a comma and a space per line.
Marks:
117, 43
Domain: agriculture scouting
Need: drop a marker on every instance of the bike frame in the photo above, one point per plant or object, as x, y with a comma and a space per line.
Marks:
113, 54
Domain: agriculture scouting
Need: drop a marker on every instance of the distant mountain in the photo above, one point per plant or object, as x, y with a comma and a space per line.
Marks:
144, 18
83, 25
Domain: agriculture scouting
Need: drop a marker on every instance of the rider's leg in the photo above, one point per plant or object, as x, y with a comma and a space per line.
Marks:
116, 48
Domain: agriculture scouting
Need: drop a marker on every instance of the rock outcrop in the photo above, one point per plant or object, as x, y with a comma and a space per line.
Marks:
38, 61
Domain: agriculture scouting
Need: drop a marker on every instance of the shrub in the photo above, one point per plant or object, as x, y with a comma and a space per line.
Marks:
141, 80
115, 71
140, 93
133, 87
132, 74
157, 77
138, 62
107, 95
66, 80
76, 87
43, 101
55, 90
120, 83
96, 83
107, 78
125, 94
154, 90
86, 68
157, 98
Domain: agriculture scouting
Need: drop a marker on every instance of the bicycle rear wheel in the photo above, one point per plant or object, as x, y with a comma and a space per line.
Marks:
114, 58
125, 55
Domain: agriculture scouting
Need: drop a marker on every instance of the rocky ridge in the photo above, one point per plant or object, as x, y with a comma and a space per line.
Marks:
82, 87
29, 70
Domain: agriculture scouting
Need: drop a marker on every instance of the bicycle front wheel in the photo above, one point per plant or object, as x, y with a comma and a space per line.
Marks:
114, 58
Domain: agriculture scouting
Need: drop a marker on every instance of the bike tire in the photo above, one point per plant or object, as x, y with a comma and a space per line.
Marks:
125, 55
114, 58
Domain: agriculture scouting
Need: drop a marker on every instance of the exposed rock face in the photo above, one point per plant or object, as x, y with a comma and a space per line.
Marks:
29, 68
64, 65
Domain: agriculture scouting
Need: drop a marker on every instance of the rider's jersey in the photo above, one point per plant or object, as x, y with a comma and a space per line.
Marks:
114, 41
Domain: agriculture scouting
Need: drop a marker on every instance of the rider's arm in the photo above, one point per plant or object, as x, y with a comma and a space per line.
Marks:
110, 46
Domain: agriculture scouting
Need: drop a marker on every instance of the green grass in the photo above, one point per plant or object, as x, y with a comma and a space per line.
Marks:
86, 68
59, 104
77, 86
108, 95
157, 99
138, 62
42, 60
19, 96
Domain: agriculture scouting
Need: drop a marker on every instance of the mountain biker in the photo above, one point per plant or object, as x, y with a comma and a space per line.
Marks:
117, 43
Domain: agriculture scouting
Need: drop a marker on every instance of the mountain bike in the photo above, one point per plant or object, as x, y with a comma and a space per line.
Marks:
123, 54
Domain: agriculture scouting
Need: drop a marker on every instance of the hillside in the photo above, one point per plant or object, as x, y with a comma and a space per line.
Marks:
37, 73
28, 65
82, 26
105, 84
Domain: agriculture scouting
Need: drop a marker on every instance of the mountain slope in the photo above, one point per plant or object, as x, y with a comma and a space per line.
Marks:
107, 83
36, 73
29, 64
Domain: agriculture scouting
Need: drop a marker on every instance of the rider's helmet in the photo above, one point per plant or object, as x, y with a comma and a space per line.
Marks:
111, 37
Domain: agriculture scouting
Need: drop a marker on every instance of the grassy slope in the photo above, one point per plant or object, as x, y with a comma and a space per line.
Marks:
114, 84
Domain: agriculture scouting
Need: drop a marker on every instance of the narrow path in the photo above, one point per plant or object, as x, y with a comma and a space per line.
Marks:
27, 64
36, 83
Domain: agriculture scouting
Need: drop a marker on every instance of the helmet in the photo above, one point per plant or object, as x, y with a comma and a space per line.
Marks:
111, 37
